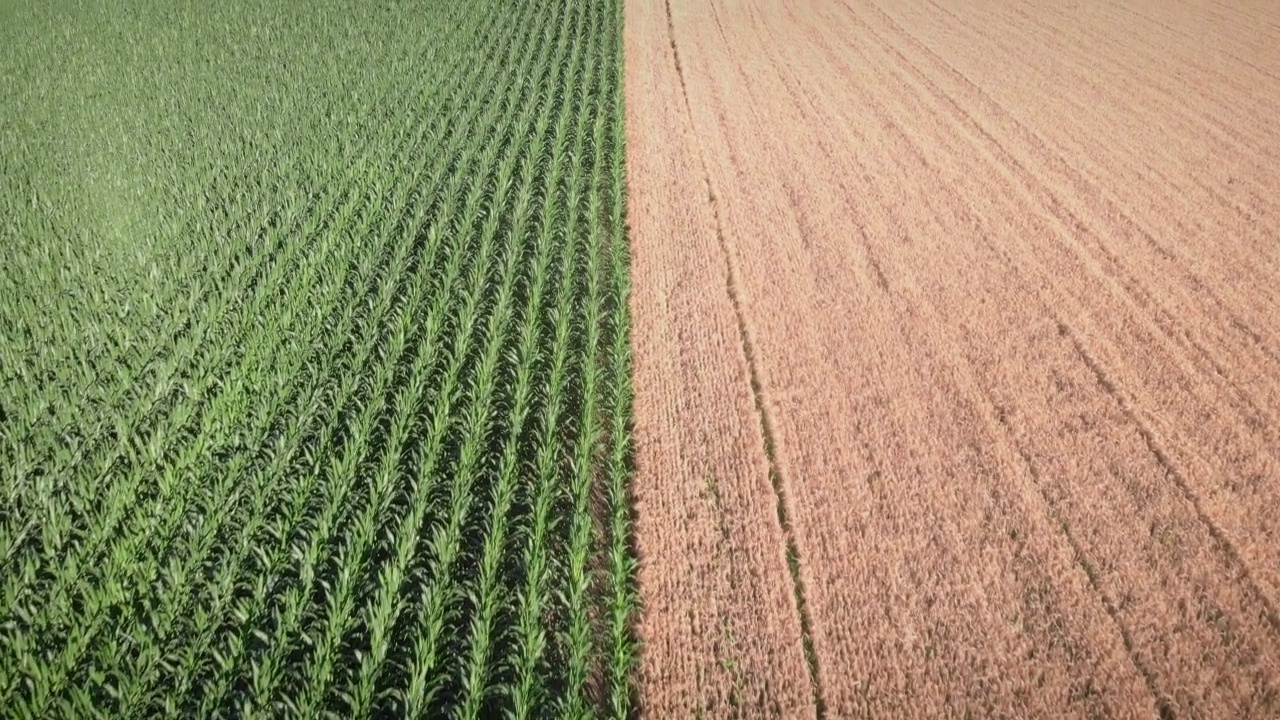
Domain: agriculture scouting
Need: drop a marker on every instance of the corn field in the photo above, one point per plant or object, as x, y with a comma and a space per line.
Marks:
314, 372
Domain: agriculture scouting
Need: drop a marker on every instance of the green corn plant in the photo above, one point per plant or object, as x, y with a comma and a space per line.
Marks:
149, 524
313, 424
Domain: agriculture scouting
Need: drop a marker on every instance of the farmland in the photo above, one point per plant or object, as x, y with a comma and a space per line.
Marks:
662, 358
957, 357
314, 381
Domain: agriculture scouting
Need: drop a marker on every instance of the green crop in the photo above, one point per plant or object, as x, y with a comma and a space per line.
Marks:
315, 369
